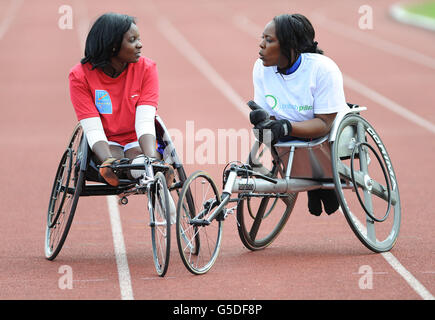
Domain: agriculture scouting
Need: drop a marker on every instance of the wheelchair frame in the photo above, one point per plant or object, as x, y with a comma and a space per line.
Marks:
76, 168
316, 164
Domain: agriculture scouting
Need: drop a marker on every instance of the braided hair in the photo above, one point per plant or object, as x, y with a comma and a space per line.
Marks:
295, 33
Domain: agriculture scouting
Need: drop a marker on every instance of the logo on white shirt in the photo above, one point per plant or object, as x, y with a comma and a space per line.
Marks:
271, 101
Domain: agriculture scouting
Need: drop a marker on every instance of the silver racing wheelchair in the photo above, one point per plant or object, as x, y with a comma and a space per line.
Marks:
351, 159
78, 176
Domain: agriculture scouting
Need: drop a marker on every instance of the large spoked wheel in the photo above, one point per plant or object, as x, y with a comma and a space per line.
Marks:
261, 218
366, 184
160, 224
198, 240
64, 196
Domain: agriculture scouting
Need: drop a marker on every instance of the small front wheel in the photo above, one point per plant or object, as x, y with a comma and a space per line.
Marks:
160, 224
198, 238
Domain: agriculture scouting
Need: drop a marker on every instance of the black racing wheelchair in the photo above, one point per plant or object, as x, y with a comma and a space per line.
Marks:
78, 176
351, 159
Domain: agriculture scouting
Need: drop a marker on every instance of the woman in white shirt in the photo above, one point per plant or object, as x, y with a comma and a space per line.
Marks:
298, 87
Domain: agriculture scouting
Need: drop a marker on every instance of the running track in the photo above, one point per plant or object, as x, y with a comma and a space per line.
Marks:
205, 51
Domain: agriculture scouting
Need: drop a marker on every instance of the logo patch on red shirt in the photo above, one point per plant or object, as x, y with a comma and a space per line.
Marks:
103, 102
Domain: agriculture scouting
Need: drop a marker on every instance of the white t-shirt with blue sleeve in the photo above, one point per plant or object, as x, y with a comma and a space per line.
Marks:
316, 87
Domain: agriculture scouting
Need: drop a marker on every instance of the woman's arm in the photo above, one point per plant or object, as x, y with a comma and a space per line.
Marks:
97, 140
145, 130
314, 128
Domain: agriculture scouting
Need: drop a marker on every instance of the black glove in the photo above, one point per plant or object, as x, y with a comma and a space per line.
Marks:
257, 116
273, 130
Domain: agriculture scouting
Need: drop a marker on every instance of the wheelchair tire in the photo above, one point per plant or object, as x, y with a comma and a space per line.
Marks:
160, 224
363, 194
198, 245
66, 190
261, 219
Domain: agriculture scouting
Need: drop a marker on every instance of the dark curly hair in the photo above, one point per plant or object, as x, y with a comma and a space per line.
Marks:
105, 38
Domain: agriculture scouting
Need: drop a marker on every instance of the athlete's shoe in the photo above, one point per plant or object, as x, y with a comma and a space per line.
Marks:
314, 204
322, 196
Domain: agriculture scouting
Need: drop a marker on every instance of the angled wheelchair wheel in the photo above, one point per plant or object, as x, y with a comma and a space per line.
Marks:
366, 184
198, 244
261, 218
160, 224
64, 196
270, 216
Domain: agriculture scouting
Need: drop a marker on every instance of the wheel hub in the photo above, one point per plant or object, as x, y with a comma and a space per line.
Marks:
368, 182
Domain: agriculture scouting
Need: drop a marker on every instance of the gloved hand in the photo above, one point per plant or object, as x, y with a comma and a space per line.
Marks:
257, 116
273, 130
267, 130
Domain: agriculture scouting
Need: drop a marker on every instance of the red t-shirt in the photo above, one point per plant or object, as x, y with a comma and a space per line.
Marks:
114, 100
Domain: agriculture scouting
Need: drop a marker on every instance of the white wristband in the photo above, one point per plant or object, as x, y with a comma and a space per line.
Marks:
93, 129
145, 117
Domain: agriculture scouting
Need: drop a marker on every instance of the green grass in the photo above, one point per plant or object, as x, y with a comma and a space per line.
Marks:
425, 8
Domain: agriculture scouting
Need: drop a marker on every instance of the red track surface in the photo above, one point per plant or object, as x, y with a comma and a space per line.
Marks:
313, 258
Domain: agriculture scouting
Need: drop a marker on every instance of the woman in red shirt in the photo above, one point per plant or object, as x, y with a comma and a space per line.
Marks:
115, 93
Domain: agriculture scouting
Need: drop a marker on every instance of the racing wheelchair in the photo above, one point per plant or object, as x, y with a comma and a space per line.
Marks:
78, 176
351, 159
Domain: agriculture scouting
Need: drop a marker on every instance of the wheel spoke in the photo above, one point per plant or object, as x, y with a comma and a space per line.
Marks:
258, 218
160, 226
198, 244
368, 188
64, 197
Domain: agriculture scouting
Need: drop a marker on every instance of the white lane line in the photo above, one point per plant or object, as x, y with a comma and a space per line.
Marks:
400, 269
112, 201
412, 281
120, 252
83, 23
187, 50
9, 15
370, 40
387, 103
197, 60
418, 20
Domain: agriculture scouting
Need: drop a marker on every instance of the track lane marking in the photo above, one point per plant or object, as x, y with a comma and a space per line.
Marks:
199, 62
124, 276
388, 103
375, 42
10, 14
119, 247
400, 269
